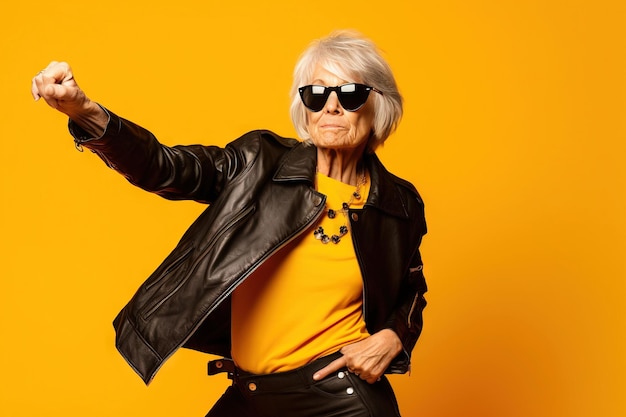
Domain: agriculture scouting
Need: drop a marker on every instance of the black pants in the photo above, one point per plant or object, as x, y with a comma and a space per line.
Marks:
296, 394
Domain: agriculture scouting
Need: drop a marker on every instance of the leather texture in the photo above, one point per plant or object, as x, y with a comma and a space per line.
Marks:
260, 191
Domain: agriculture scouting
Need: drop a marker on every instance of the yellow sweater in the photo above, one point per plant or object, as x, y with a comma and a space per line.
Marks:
304, 302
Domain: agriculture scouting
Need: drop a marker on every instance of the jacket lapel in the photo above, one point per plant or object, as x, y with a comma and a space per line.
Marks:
384, 193
299, 164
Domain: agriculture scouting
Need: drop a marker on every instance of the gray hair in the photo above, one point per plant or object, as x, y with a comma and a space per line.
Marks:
348, 55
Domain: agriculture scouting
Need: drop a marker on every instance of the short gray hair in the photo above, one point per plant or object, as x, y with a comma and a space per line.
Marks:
348, 54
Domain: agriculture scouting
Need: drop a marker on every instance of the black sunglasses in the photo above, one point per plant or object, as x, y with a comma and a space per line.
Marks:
351, 96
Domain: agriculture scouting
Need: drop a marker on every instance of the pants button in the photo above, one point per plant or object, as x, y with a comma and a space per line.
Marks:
252, 386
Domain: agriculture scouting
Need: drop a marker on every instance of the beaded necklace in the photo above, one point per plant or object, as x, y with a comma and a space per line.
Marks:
345, 206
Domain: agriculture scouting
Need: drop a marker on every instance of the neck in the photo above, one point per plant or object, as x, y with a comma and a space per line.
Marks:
341, 165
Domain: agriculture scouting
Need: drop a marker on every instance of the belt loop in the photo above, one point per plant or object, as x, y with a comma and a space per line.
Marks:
222, 365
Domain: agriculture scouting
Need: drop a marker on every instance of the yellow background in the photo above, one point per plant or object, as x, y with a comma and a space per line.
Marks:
514, 133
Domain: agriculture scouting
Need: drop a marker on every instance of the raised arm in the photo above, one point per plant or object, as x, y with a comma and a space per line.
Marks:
180, 172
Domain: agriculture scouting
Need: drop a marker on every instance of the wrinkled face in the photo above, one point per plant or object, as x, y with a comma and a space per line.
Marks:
333, 127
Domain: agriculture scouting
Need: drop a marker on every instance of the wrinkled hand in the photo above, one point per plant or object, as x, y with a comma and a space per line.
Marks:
56, 85
368, 358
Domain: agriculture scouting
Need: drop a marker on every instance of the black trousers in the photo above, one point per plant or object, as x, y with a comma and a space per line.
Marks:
296, 394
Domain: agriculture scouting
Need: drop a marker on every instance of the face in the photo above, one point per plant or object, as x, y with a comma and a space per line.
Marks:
333, 127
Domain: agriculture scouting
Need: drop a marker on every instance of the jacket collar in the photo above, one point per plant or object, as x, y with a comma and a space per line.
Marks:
384, 193
299, 164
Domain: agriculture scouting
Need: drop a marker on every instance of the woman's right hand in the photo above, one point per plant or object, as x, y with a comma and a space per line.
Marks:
56, 85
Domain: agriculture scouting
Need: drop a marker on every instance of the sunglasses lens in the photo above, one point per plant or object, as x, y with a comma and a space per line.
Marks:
314, 97
351, 96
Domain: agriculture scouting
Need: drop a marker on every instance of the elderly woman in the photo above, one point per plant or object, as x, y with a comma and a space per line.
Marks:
304, 272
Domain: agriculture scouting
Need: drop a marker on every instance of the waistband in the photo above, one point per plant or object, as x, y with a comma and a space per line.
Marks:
278, 381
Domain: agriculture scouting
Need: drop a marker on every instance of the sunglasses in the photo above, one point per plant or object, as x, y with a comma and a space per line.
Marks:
351, 96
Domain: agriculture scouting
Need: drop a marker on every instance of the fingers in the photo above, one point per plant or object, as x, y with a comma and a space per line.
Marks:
332, 367
364, 374
34, 90
38, 83
56, 85
53, 94
342, 363
46, 83
370, 357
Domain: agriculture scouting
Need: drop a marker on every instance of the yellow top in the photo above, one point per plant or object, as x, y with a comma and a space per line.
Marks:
304, 302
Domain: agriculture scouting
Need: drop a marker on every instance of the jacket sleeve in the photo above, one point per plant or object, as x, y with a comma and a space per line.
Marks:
406, 319
191, 172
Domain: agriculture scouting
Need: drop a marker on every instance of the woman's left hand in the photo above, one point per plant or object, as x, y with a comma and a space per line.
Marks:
368, 358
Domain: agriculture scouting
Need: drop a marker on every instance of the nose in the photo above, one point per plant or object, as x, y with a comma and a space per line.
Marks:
332, 104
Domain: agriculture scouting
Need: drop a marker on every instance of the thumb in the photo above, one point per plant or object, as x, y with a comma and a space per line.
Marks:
62, 97
60, 92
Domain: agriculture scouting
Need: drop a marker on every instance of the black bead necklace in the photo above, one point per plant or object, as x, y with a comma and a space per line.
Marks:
345, 206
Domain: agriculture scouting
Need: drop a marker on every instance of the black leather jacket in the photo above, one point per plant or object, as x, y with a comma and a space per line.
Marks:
261, 195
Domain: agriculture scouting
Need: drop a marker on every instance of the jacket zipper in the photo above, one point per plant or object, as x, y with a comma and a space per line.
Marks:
234, 221
417, 294
170, 268
297, 233
229, 291
358, 257
412, 309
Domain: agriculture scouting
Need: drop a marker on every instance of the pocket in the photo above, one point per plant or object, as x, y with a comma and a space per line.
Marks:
378, 397
337, 385
167, 267
167, 280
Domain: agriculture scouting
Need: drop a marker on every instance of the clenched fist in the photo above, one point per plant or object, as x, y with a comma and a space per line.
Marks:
57, 86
